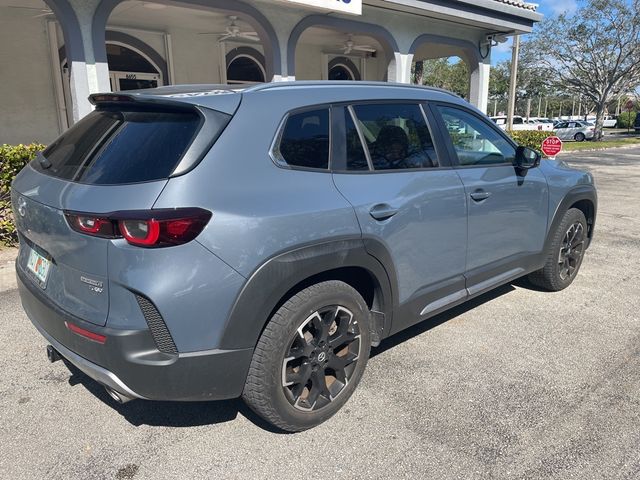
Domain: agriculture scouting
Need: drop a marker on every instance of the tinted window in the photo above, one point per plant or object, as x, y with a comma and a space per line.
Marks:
475, 142
305, 140
518, 121
561, 125
356, 158
109, 147
397, 136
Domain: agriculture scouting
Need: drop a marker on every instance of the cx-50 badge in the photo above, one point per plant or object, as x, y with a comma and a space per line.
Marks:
94, 285
22, 206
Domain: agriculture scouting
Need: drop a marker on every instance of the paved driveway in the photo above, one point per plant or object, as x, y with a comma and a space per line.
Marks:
517, 384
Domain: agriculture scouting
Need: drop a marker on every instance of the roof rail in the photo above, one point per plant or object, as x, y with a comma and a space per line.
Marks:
342, 83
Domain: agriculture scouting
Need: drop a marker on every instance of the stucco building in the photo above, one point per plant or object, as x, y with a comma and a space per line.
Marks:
54, 53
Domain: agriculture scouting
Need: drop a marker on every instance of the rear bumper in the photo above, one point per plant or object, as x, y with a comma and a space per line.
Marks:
129, 361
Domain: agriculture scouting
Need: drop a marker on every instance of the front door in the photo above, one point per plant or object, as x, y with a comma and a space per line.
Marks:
408, 203
507, 212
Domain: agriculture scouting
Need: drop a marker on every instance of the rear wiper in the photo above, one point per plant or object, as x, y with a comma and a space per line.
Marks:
44, 163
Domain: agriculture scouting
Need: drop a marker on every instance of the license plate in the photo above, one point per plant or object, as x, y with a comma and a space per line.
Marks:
39, 266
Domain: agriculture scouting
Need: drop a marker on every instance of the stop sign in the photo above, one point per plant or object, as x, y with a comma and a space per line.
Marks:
551, 146
629, 105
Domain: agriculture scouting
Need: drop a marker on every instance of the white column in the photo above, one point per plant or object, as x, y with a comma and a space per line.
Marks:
399, 70
87, 75
479, 85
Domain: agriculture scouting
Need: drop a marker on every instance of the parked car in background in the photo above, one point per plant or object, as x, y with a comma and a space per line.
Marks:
573, 130
636, 124
610, 121
169, 258
519, 123
541, 123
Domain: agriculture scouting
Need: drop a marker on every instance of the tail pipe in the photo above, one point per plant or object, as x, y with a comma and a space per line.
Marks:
121, 398
52, 354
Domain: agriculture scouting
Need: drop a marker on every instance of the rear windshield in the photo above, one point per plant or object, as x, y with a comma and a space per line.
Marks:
116, 147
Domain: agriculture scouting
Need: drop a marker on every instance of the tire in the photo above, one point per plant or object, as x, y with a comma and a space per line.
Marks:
579, 137
562, 263
292, 383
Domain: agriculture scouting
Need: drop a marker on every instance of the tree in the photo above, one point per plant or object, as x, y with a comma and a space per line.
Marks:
442, 73
594, 53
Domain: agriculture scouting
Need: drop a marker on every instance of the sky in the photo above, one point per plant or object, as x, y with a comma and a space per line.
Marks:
549, 8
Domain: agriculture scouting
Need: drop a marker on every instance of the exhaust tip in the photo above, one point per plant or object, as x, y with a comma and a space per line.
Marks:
117, 396
52, 354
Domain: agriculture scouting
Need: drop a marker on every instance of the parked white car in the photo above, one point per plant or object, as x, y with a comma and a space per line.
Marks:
519, 123
578, 131
547, 125
610, 121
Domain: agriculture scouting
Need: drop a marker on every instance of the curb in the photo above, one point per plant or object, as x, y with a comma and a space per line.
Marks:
622, 147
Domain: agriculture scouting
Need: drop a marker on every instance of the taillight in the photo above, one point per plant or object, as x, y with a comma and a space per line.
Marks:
140, 232
148, 228
91, 225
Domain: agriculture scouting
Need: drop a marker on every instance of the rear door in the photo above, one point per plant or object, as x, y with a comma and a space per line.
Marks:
408, 202
507, 211
113, 160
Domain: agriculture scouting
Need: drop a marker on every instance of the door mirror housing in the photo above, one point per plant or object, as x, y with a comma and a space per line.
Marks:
527, 158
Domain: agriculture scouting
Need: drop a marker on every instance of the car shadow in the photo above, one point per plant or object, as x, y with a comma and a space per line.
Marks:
192, 414
426, 325
170, 414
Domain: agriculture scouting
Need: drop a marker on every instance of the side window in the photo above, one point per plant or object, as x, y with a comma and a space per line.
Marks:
356, 157
474, 141
396, 135
518, 121
304, 141
561, 125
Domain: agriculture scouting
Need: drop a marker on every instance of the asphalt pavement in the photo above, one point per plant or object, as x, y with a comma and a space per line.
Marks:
518, 383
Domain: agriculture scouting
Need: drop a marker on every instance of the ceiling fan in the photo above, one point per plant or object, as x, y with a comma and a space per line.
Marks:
349, 46
44, 12
234, 33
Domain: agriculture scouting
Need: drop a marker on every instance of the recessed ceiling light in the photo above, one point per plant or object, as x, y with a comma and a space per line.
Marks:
154, 6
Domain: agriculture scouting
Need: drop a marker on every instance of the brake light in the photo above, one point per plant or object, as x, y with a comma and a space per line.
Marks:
147, 228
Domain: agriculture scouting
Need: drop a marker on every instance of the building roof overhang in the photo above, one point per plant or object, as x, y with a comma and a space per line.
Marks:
508, 16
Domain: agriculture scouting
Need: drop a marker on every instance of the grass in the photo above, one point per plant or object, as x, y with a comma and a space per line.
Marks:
578, 146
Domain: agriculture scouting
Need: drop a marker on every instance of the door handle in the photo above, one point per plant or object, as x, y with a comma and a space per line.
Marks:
480, 195
382, 211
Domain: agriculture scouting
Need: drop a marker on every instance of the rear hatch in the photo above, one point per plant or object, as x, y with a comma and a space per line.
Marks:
117, 159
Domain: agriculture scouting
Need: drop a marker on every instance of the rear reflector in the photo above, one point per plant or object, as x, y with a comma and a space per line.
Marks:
86, 333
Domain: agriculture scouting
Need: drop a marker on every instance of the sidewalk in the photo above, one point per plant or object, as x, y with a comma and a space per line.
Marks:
7, 269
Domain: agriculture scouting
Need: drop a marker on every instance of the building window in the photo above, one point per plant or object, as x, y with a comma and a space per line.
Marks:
340, 72
342, 68
130, 69
245, 65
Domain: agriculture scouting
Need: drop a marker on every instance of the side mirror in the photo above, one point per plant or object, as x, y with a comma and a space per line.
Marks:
527, 158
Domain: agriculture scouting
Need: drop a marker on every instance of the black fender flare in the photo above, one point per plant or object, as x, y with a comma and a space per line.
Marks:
582, 192
272, 280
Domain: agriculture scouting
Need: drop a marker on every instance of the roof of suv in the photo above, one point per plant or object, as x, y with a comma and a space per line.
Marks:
213, 95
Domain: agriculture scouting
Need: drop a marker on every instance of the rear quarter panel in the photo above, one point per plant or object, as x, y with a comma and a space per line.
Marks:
259, 209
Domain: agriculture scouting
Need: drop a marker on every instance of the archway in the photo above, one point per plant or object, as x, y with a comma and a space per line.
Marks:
323, 38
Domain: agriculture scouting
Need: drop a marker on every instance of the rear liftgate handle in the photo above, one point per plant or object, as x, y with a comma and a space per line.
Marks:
382, 211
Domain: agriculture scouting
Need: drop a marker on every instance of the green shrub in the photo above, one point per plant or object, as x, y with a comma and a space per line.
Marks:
12, 160
626, 119
530, 138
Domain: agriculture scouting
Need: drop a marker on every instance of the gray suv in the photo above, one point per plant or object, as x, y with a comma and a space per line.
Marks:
210, 242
